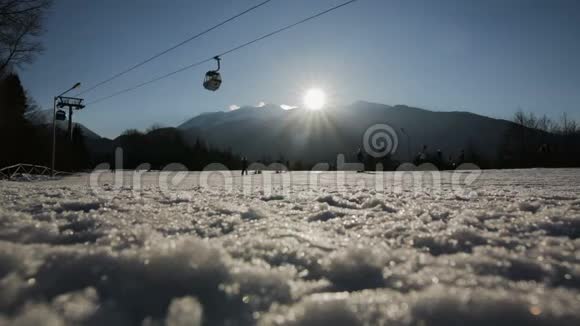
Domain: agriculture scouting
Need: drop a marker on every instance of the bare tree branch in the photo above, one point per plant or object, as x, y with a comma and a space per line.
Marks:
20, 27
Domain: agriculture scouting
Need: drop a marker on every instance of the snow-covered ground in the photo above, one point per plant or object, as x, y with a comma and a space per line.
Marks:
347, 249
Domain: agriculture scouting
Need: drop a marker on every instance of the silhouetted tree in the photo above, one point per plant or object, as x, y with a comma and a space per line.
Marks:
20, 26
540, 142
13, 102
163, 146
19, 141
23, 142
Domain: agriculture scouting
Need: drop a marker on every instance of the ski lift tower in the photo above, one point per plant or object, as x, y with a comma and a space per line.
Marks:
72, 103
61, 102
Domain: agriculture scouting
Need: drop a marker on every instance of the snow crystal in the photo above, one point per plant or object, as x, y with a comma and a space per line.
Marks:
529, 206
337, 202
84, 206
77, 306
503, 252
327, 309
32, 315
355, 269
324, 216
379, 204
184, 312
253, 214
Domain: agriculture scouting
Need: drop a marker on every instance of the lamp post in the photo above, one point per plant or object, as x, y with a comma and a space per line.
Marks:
53, 158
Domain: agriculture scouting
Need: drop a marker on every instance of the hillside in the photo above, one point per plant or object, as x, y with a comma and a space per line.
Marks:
301, 134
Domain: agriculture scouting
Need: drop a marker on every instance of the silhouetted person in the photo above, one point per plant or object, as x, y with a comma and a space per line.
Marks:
422, 156
544, 155
244, 165
461, 158
258, 168
544, 149
440, 162
361, 158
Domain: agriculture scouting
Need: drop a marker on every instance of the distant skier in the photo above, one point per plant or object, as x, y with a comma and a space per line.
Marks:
545, 148
451, 161
258, 167
461, 158
440, 161
543, 156
360, 156
244, 165
422, 156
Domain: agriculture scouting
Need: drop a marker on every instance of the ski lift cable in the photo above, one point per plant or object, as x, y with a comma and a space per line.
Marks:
283, 29
280, 30
142, 63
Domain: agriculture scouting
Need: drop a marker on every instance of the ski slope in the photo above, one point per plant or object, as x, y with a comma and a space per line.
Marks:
348, 249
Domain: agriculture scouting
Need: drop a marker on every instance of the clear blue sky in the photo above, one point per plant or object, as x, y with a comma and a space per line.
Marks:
485, 56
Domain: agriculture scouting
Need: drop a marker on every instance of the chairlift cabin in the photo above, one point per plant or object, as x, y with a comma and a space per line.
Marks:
60, 115
213, 79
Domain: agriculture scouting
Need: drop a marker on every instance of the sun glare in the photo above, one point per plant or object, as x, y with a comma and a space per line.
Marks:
315, 99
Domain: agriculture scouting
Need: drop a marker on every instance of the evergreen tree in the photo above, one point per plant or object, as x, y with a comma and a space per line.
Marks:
13, 102
18, 139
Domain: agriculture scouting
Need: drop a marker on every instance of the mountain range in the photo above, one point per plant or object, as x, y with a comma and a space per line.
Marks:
302, 134
270, 132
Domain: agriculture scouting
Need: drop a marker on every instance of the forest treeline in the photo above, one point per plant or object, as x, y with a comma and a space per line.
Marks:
530, 141
159, 147
21, 141
534, 141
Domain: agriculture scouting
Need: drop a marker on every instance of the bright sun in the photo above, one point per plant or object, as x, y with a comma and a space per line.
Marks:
315, 99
